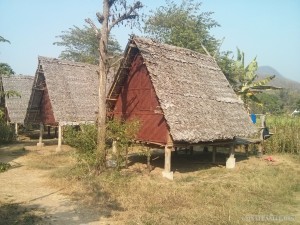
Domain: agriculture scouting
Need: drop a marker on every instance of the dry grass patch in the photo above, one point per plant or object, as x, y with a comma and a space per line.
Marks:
206, 195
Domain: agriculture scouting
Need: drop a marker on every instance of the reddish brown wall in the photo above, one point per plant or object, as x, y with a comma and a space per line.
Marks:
138, 101
46, 109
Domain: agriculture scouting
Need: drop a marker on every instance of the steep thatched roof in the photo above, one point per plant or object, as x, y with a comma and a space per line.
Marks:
198, 103
72, 88
16, 106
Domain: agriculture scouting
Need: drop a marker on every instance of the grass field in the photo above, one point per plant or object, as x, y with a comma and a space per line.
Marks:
286, 138
201, 193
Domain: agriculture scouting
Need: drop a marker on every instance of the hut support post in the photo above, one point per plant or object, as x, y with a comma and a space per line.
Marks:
247, 150
114, 147
16, 130
214, 154
40, 144
167, 173
260, 145
58, 148
49, 131
230, 161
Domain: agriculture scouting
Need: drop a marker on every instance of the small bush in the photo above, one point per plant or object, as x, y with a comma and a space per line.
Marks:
6, 133
4, 167
84, 139
123, 132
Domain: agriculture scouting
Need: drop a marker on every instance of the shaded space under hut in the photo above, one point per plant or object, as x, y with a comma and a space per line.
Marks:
181, 98
15, 106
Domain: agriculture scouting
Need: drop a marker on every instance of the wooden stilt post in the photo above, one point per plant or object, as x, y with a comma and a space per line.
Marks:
214, 154
16, 130
59, 138
40, 144
167, 173
247, 150
49, 131
260, 145
230, 161
114, 147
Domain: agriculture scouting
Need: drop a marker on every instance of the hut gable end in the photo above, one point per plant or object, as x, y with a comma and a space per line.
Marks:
64, 92
138, 100
16, 106
197, 101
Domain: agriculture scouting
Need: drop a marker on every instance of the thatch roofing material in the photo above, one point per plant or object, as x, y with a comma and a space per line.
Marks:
198, 102
16, 106
72, 89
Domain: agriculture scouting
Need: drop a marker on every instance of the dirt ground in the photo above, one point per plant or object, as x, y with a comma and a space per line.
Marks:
26, 199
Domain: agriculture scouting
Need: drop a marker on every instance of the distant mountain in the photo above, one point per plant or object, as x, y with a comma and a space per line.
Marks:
279, 80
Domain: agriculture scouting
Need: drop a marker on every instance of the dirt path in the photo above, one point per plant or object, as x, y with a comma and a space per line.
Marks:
26, 199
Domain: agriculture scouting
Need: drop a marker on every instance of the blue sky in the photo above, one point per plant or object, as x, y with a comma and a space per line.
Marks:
268, 29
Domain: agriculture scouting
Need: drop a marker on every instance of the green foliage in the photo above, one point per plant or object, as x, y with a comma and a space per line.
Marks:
270, 104
5, 69
6, 132
82, 45
123, 132
247, 85
227, 64
183, 25
4, 167
286, 138
84, 139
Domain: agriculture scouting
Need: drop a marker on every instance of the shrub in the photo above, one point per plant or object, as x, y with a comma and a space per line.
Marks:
123, 132
6, 133
4, 167
84, 139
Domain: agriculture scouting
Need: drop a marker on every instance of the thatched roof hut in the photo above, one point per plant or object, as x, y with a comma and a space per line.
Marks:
176, 93
16, 106
64, 92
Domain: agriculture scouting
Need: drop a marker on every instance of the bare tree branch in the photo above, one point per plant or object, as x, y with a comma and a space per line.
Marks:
127, 15
90, 22
100, 17
111, 2
205, 50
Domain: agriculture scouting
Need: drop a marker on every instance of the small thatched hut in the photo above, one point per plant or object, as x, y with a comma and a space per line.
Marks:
63, 93
16, 106
181, 98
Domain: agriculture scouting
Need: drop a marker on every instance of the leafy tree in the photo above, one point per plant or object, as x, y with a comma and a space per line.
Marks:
115, 12
270, 103
5, 70
184, 26
246, 84
6, 133
82, 45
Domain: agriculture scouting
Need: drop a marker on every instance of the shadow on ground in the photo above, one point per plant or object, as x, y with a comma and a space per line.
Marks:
185, 162
15, 213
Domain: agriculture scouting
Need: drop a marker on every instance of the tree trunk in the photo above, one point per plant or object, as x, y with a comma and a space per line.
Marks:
101, 151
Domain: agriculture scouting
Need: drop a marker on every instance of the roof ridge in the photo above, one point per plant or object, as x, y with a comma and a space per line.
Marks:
64, 62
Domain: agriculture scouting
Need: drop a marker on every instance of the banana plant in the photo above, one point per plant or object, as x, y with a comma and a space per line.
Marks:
247, 85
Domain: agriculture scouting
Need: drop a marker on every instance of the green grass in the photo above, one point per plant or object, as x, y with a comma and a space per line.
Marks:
286, 138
